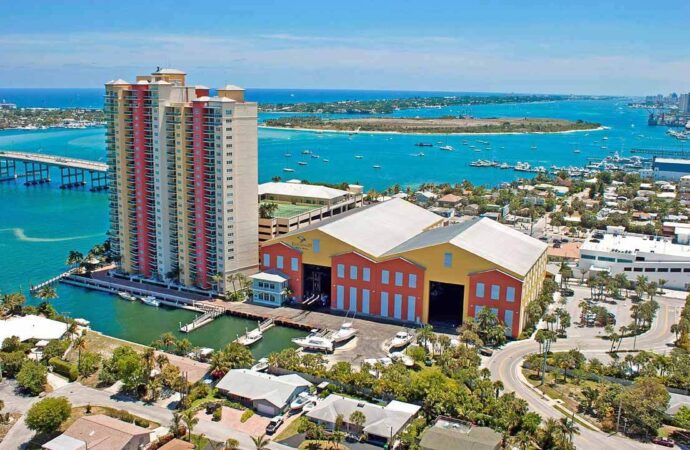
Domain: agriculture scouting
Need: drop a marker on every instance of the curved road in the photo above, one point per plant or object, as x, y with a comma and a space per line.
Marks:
505, 365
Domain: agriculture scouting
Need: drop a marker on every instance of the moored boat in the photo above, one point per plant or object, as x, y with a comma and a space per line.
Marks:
345, 333
126, 296
150, 300
401, 339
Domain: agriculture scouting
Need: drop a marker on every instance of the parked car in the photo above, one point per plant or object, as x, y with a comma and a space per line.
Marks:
486, 351
666, 442
274, 424
567, 292
211, 407
610, 319
544, 238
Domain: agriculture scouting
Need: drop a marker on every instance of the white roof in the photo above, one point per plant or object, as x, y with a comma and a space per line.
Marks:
232, 87
169, 72
31, 327
486, 238
631, 245
300, 190
252, 385
64, 442
117, 82
379, 228
379, 419
269, 276
214, 99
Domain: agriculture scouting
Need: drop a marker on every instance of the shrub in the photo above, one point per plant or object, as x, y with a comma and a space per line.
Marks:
246, 415
217, 414
12, 362
32, 376
55, 349
88, 363
64, 368
47, 415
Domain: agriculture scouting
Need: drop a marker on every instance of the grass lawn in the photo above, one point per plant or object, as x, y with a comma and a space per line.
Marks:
289, 431
81, 412
286, 210
325, 445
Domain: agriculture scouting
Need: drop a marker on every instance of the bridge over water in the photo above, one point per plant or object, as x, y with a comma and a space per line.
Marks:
73, 171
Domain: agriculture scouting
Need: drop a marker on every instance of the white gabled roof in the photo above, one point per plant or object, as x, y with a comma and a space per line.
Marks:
269, 276
300, 190
232, 87
169, 72
118, 82
379, 228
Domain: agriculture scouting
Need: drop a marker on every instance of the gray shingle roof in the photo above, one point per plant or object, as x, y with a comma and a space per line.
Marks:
251, 385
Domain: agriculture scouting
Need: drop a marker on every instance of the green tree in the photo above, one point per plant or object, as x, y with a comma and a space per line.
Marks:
232, 356
261, 442
74, 258
32, 376
47, 292
358, 419
48, 414
644, 405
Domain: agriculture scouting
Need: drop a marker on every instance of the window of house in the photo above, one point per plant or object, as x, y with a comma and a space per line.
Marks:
341, 270
510, 294
385, 275
366, 274
316, 245
279, 262
398, 278
495, 291
353, 272
294, 264
479, 290
412, 280
267, 260
448, 259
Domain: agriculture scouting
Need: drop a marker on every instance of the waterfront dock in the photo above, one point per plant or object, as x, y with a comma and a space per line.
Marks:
210, 313
260, 329
35, 288
37, 170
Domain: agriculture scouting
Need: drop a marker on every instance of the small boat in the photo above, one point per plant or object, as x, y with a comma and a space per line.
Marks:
309, 406
127, 296
325, 160
534, 147
250, 337
314, 341
359, 156
424, 144
577, 150
315, 156
306, 152
447, 148
504, 166
345, 333
301, 163
287, 155
150, 300
376, 166
82, 322
301, 401
287, 169
605, 138
403, 358
401, 339
420, 154
260, 365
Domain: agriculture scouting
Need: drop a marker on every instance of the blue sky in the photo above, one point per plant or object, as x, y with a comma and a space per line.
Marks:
589, 47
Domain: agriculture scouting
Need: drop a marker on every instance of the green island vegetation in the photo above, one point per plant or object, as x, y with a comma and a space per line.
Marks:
387, 106
437, 125
50, 117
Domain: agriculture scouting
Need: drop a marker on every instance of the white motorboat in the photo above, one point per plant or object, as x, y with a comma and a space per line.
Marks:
314, 341
250, 337
448, 148
401, 339
301, 163
127, 296
359, 156
260, 365
287, 169
403, 358
345, 333
376, 166
309, 406
301, 401
150, 300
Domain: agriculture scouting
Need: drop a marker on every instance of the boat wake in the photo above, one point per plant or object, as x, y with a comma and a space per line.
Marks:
21, 236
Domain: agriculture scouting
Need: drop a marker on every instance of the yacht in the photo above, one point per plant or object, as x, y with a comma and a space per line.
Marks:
309, 406
401, 339
301, 163
448, 148
301, 401
150, 300
314, 341
325, 160
577, 150
126, 296
359, 156
306, 152
522, 166
260, 365
376, 166
315, 156
287, 169
345, 333
504, 166
250, 337
403, 358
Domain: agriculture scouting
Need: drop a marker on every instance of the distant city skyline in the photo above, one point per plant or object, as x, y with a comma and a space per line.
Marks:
587, 47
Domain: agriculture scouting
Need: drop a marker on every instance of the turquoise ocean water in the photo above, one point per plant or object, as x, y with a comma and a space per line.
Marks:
39, 225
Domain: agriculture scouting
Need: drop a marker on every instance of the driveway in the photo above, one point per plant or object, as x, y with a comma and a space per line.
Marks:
254, 426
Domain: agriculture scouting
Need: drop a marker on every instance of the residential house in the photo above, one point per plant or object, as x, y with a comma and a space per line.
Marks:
450, 201
451, 434
100, 432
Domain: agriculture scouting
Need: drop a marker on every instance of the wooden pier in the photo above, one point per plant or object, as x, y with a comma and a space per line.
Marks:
37, 170
34, 289
209, 315
262, 326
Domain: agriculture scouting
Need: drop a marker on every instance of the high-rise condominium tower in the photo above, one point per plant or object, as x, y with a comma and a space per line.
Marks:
183, 177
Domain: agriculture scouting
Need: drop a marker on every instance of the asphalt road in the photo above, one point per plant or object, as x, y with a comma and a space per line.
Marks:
505, 365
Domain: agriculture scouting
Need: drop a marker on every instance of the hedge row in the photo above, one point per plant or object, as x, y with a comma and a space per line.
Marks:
64, 368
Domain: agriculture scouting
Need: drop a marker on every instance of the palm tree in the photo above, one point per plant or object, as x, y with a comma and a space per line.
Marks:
47, 292
175, 426
358, 419
261, 442
74, 258
190, 421
168, 340
161, 360
79, 344
232, 444
216, 278
200, 441
568, 426
662, 283
149, 356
